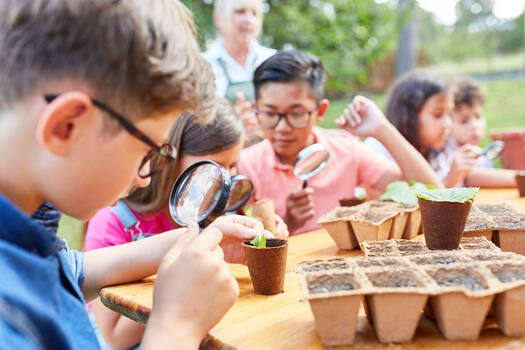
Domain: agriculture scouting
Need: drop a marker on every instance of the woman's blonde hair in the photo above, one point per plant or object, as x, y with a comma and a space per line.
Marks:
225, 9
191, 137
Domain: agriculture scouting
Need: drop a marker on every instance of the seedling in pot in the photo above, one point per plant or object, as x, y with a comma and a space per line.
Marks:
266, 260
259, 241
444, 215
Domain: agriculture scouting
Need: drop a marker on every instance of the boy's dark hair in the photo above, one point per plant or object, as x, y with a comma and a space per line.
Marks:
406, 99
138, 55
466, 92
289, 67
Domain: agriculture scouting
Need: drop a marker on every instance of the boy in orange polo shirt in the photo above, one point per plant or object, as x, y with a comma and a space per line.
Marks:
289, 102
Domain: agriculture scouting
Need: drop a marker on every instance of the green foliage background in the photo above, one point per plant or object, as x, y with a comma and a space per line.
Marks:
348, 36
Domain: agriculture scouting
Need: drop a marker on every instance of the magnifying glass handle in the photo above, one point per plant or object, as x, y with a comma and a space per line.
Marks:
305, 183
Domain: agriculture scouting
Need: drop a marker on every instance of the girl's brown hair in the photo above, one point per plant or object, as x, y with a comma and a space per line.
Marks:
406, 100
189, 136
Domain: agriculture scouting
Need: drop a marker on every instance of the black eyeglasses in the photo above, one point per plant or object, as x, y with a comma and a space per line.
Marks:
296, 120
161, 155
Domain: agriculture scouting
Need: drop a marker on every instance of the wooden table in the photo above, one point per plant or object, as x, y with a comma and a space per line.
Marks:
284, 321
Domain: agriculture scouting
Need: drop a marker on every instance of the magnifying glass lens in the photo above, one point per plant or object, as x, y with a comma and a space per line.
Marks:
200, 191
240, 192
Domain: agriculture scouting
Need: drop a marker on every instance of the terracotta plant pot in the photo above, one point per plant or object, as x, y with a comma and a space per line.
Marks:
267, 266
396, 304
443, 222
372, 226
335, 299
520, 182
342, 234
336, 223
510, 232
509, 306
476, 243
413, 221
266, 212
463, 303
409, 247
512, 154
350, 202
398, 225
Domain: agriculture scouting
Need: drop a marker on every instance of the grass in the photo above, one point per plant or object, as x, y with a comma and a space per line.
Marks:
504, 105
72, 230
480, 65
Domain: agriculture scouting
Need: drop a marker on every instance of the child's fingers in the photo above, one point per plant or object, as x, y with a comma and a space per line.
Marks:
209, 238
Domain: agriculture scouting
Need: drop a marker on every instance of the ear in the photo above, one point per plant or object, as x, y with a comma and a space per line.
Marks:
61, 121
322, 108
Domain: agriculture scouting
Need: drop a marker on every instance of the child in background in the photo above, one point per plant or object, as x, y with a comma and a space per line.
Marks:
289, 102
62, 142
221, 141
419, 106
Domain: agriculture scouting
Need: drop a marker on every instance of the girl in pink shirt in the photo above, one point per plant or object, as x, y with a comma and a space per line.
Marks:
145, 211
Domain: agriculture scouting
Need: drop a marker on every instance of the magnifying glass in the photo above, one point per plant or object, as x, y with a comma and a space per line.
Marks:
200, 194
310, 161
240, 192
493, 150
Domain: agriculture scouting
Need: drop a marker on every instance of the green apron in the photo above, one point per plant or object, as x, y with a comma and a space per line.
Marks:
246, 87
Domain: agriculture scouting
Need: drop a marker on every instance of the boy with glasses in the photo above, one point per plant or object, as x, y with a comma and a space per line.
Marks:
289, 102
67, 67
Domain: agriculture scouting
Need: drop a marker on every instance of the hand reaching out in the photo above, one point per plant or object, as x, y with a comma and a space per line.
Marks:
463, 162
362, 117
193, 290
299, 208
237, 229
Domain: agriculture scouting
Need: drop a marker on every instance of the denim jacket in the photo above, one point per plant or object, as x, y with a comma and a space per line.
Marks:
41, 303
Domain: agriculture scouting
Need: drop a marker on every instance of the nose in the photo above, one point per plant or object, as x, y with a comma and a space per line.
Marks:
282, 125
232, 171
447, 122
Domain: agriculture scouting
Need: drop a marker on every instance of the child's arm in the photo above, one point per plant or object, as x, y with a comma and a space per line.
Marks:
363, 118
485, 177
136, 260
462, 164
118, 331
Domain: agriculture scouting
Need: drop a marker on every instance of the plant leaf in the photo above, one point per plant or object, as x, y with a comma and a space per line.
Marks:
404, 192
249, 212
398, 191
259, 241
449, 194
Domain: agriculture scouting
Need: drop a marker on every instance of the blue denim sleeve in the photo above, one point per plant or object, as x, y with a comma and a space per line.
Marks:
13, 339
75, 260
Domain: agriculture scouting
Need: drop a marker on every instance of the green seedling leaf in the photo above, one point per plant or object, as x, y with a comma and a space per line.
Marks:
399, 191
404, 192
259, 241
449, 194
249, 212
363, 196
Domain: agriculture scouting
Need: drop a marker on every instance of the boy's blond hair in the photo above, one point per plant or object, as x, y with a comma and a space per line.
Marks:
138, 55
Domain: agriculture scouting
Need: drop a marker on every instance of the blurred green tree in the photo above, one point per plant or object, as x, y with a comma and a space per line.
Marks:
349, 36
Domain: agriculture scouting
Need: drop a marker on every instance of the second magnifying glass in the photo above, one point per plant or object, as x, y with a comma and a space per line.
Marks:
204, 191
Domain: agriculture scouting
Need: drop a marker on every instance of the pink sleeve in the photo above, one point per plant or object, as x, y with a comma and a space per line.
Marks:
246, 168
370, 165
104, 230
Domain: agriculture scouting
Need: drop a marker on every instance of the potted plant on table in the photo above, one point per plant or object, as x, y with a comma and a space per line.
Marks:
444, 214
266, 260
